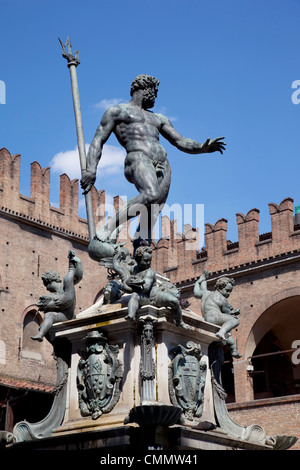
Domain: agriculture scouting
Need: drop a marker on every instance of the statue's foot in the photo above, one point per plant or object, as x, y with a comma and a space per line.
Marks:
236, 354
183, 325
37, 338
130, 317
221, 335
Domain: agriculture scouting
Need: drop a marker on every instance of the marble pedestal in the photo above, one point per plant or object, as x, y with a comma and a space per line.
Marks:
126, 334
145, 410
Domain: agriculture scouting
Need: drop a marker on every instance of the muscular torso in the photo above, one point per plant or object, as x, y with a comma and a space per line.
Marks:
137, 130
213, 303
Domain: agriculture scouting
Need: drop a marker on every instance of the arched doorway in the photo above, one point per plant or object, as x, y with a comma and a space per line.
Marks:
269, 350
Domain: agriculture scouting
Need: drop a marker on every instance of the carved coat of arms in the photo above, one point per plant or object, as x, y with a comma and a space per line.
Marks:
187, 376
99, 374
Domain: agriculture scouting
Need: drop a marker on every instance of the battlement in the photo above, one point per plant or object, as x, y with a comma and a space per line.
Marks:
182, 261
36, 208
176, 254
251, 245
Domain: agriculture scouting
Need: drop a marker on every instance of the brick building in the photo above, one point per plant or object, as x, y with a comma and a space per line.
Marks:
35, 238
263, 386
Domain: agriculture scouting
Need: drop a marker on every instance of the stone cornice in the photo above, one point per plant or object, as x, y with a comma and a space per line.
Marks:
9, 213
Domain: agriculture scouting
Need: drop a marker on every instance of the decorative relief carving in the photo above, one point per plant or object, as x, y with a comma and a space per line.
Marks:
187, 375
147, 363
99, 374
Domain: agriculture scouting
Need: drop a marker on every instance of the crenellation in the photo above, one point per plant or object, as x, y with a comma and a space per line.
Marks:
15, 167
175, 253
216, 239
160, 258
160, 255
172, 258
220, 255
9, 175
165, 227
187, 250
248, 231
124, 233
251, 246
40, 191
37, 208
165, 248
98, 201
69, 197
282, 221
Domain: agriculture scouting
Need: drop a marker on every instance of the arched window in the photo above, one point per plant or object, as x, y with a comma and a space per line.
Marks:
31, 349
274, 372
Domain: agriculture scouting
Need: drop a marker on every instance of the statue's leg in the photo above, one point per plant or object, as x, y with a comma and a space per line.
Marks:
133, 306
153, 187
231, 345
164, 182
44, 327
49, 319
149, 216
166, 299
140, 171
229, 322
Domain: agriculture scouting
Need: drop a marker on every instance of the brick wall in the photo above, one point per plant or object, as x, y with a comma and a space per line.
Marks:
219, 254
277, 415
267, 290
34, 238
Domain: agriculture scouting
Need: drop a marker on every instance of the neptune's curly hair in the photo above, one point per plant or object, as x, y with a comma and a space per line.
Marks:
143, 81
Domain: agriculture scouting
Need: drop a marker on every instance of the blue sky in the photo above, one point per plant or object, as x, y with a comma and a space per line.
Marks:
226, 68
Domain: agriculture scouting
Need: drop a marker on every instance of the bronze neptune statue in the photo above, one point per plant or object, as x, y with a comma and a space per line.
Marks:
146, 165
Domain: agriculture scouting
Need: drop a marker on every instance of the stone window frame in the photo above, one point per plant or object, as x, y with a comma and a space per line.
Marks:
37, 351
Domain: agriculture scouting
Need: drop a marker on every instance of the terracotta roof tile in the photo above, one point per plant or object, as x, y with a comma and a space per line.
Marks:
19, 383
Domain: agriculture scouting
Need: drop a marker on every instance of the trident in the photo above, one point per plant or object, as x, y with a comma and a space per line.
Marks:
72, 65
